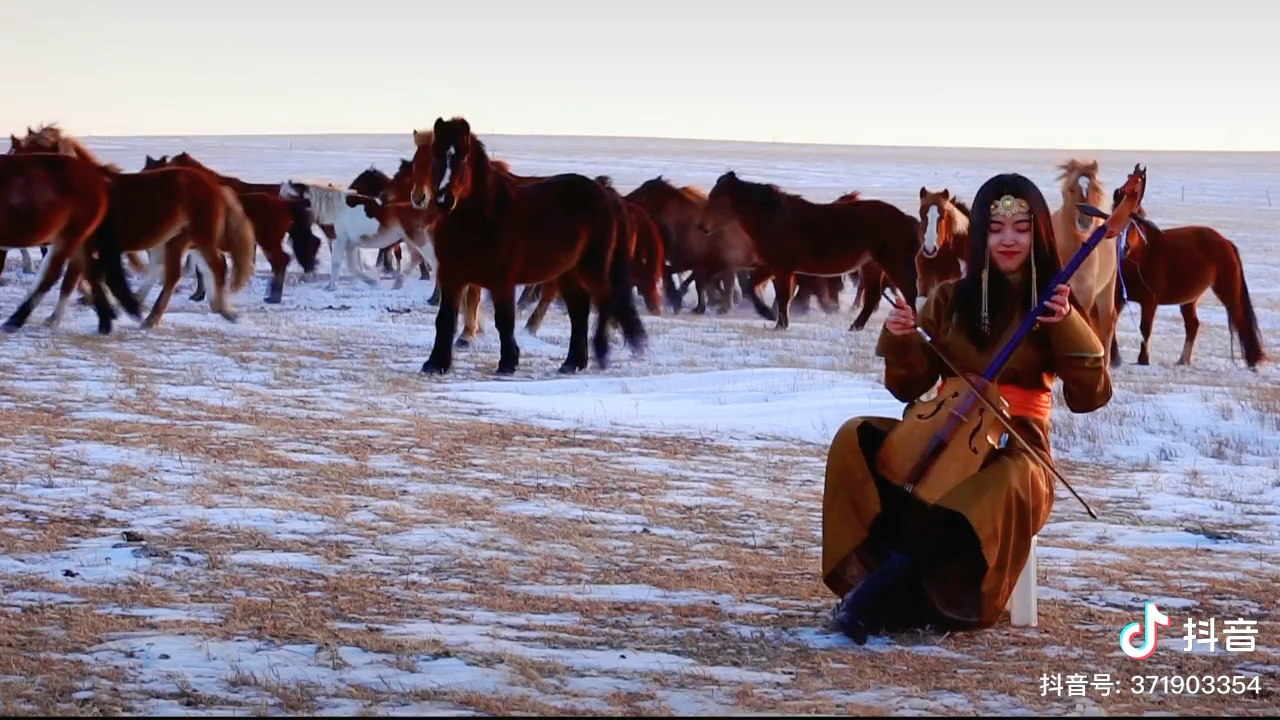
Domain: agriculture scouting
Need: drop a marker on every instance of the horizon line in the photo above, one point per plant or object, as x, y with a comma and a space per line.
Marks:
724, 141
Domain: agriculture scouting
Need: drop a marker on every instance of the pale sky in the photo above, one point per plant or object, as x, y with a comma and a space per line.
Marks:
1080, 74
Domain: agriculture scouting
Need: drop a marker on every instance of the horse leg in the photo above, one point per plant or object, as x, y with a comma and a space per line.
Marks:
337, 253
1192, 324
48, 275
549, 294
471, 309
871, 289
528, 296
759, 277
172, 273
405, 268
784, 286
1148, 319
155, 266
70, 279
578, 302
216, 263
504, 319
441, 357
198, 295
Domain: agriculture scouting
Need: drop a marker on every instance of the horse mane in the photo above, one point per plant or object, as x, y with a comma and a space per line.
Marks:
605, 181
766, 194
328, 201
1072, 170
51, 137
959, 213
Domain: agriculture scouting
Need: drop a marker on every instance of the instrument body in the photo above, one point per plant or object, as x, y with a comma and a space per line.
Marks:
924, 433
942, 442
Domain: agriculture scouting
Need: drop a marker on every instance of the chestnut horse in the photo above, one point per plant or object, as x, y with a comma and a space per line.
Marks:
794, 235
271, 215
1175, 267
498, 233
64, 202
174, 208
1094, 284
944, 243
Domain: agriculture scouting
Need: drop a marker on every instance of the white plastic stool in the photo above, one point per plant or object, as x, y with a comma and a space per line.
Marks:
1022, 603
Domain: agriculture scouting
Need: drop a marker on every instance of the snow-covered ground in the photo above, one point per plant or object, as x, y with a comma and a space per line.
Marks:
282, 515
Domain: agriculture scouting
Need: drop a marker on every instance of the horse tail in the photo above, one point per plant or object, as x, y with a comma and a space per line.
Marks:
107, 239
238, 239
1249, 334
621, 296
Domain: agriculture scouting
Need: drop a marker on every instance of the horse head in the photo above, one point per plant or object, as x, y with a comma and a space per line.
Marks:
1080, 185
1127, 221
935, 232
442, 164
717, 212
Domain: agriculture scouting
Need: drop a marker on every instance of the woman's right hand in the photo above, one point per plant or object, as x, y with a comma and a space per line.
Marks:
902, 319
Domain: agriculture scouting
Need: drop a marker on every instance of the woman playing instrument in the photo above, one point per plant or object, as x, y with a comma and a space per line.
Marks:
898, 561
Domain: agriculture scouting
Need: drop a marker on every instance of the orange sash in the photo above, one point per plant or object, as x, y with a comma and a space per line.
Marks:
1025, 402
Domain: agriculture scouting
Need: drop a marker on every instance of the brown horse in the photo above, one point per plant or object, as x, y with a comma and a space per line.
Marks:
64, 202
644, 248
1093, 284
944, 242
172, 207
710, 258
794, 235
372, 182
497, 233
1175, 267
271, 215
306, 246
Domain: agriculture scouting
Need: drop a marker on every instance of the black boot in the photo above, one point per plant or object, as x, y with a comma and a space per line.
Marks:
850, 617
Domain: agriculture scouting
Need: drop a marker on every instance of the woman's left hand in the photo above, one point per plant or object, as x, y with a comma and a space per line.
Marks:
1057, 307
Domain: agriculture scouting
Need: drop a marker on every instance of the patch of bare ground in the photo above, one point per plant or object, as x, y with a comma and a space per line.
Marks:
317, 533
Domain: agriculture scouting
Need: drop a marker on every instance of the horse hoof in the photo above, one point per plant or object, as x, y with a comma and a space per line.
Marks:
568, 369
505, 370
196, 297
430, 368
272, 299
10, 327
462, 343
104, 328
230, 316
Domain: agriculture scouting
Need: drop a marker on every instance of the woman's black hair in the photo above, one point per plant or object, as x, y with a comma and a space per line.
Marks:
1044, 253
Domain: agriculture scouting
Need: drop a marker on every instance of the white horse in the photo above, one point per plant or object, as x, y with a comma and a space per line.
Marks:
360, 221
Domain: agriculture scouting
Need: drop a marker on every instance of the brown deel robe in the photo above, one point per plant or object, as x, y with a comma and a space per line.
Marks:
1005, 503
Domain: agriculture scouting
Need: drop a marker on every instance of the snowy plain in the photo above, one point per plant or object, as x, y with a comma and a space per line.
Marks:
282, 515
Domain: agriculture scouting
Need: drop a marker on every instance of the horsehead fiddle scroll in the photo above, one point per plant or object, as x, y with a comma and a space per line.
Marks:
927, 437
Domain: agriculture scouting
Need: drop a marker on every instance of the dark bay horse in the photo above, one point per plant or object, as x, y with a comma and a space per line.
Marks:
498, 233
794, 235
1175, 266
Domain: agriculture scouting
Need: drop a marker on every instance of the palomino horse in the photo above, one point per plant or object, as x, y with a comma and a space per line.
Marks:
360, 221
174, 208
794, 235
944, 223
1175, 267
497, 233
271, 215
1094, 283
64, 202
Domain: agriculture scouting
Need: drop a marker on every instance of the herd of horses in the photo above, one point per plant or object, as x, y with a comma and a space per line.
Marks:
468, 219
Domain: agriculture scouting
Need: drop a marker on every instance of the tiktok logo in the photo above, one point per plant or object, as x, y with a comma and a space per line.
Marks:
1151, 617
